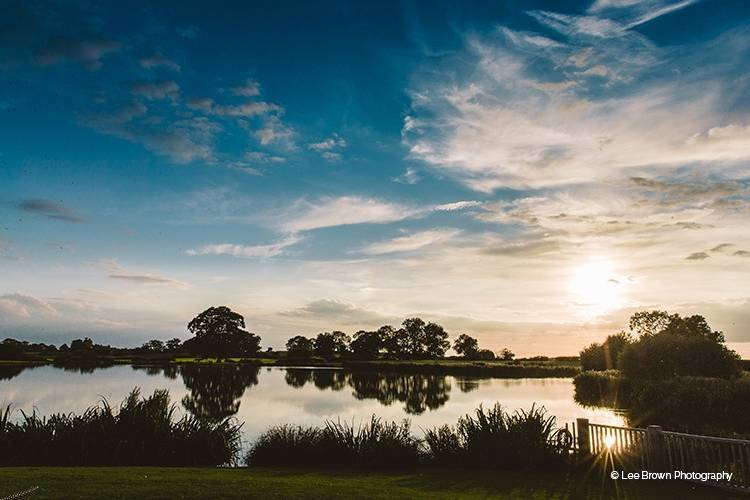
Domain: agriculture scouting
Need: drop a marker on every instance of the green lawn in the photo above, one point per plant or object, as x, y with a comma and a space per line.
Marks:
156, 482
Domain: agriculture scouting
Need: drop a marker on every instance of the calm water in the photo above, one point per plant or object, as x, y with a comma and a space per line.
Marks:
262, 397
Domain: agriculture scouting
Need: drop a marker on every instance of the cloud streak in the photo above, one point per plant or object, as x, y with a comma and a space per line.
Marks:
49, 209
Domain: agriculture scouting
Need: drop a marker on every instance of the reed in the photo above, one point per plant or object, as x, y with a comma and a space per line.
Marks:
143, 431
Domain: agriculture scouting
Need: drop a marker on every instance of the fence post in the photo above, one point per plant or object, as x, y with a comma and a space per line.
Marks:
656, 449
584, 442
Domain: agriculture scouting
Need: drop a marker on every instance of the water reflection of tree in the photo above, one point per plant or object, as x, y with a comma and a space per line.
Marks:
169, 371
8, 372
298, 377
467, 384
215, 391
418, 392
330, 379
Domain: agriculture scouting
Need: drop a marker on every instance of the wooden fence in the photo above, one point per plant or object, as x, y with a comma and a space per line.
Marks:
656, 450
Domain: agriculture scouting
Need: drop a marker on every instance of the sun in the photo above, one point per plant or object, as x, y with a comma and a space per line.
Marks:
595, 288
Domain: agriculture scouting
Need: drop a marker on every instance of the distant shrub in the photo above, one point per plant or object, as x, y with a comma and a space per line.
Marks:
483, 355
143, 432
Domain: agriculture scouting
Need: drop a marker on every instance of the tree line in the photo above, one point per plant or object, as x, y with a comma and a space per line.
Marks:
221, 332
415, 339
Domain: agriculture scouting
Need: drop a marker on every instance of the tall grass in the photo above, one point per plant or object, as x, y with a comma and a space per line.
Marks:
144, 431
488, 438
493, 438
338, 444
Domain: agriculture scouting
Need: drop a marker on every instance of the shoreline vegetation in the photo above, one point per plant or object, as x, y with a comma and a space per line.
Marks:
563, 367
671, 371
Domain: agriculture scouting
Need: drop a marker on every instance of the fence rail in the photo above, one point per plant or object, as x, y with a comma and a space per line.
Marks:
656, 450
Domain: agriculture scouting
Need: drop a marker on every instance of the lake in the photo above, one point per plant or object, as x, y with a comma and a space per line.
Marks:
263, 397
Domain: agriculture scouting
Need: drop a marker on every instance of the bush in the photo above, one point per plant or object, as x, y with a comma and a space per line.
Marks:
493, 438
143, 432
693, 404
605, 356
666, 355
337, 444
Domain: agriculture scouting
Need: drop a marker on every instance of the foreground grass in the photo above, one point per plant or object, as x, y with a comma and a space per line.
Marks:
207, 483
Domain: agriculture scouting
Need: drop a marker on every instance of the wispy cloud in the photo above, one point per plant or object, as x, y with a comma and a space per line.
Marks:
248, 251
608, 103
49, 209
250, 88
88, 52
156, 90
158, 60
417, 241
342, 211
117, 271
330, 148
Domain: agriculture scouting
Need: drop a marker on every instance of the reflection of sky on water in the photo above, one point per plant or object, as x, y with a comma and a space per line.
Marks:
272, 400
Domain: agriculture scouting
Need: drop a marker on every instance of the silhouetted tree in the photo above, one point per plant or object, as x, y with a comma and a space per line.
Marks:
395, 342
173, 344
670, 346
416, 337
11, 349
435, 340
329, 345
366, 345
82, 345
220, 331
153, 346
466, 346
605, 356
484, 355
299, 347
506, 354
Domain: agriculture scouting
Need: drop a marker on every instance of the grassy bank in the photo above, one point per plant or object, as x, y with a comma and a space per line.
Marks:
499, 369
203, 483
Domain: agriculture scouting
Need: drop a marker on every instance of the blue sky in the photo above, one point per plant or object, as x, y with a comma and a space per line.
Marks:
528, 172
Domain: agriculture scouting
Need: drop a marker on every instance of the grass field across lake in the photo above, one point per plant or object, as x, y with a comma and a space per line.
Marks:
207, 483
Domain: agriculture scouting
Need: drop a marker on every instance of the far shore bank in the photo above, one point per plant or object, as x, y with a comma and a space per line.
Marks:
522, 368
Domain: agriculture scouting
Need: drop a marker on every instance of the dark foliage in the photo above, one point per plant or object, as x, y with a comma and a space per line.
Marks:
666, 355
375, 444
605, 356
693, 404
330, 345
299, 347
143, 432
492, 438
216, 390
366, 345
466, 346
602, 388
489, 439
219, 331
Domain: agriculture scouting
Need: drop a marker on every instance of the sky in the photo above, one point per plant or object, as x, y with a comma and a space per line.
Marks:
527, 172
